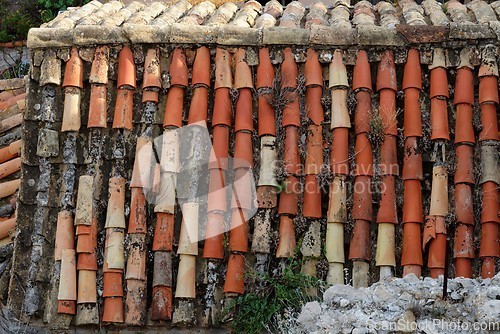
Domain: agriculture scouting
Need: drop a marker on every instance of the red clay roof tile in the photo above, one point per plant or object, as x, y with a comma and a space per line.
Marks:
164, 232
178, 68
412, 160
291, 158
464, 132
359, 245
265, 70
244, 111
152, 72
439, 119
266, 117
362, 199
198, 109
463, 245
286, 245
223, 74
73, 73
439, 192
412, 113
314, 107
291, 112
174, 107
97, 107
113, 310
201, 67
214, 236
488, 89
464, 86
489, 122
289, 70
339, 158
363, 114
222, 114
87, 287
10, 167
488, 267
99, 70
67, 280
386, 74
122, 118
113, 285
361, 77
242, 72
235, 274
439, 83
314, 156
387, 112
217, 191
243, 150
312, 198
312, 69
387, 210
465, 164
150, 96
339, 111
388, 160
412, 250
489, 240
337, 72
126, 69
87, 261
64, 234
490, 205
9, 188
412, 205
161, 303
136, 260
9, 152
464, 210
138, 215
238, 235
288, 201
412, 77
219, 154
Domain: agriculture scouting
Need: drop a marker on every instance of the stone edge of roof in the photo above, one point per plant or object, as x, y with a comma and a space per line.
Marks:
319, 35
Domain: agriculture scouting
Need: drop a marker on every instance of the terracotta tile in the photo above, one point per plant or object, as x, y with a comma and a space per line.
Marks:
201, 67
243, 150
242, 192
265, 70
174, 107
312, 198
488, 267
334, 243
165, 197
6, 227
164, 232
266, 123
97, 107
291, 112
412, 206
152, 75
9, 188
223, 113
339, 111
339, 159
242, 72
126, 69
490, 206
113, 310
363, 112
412, 77
465, 164
113, 285
11, 151
314, 107
115, 216
223, 72
136, 260
359, 246
314, 156
464, 86
288, 201
238, 235
220, 148
412, 245
387, 112
412, 160
385, 253
162, 269
439, 83
244, 113
388, 157
267, 197
439, 192
312, 69
150, 96
188, 236
135, 303
67, 280
337, 203
141, 173
10, 167
361, 78
412, 113
178, 68
66, 307
124, 109
87, 287
439, 120
463, 245
85, 241
73, 72
289, 70
362, 199
463, 267
199, 106
99, 70
488, 89
71, 113
115, 252
464, 132
214, 236
161, 304
436, 261
217, 198
387, 210
489, 122
464, 204
291, 158
138, 215
267, 176
286, 245
87, 261
337, 72
186, 277
434, 225
386, 74
235, 274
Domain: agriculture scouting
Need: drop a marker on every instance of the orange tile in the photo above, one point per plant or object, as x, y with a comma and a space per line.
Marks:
488, 89
465, 164
388, 157
439, 119
488, 267
138, 215
412, 244
201, 67
437, 254
339, 158
198, 109
217, 197
265, 70
266, 123
359, 246
244, 112
314, 107
223, 113
287, 243
238, 234
464, 86
242, 197
386, 74
243, 150
361, 78
267, 197
314, 155
242, 72
115, 216
362, 199
214, 236
113, 285
463, 245
412, 77
463, 267
99, 70
312, 198
178, 68
9, 188
161, 304
387, 209
363, 114
150, 96
223, 71
220, 148
151, 70
412, 206
11, 151
98, 107
126, 69
7, 226
141, 172
135, 303
291, 158
288, 201
464, 132
490, 205
73, 72
439, 83
174, 107
439, 192
66, 307
235, 274
164, 232
412, 113
124, 109
10, 167
87, 261
412, 160
464, 204
289, 70
387, 111
489, 122
67, 280
291, 112
489, 240
113, 310
136, 260
87, 286
312, 69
